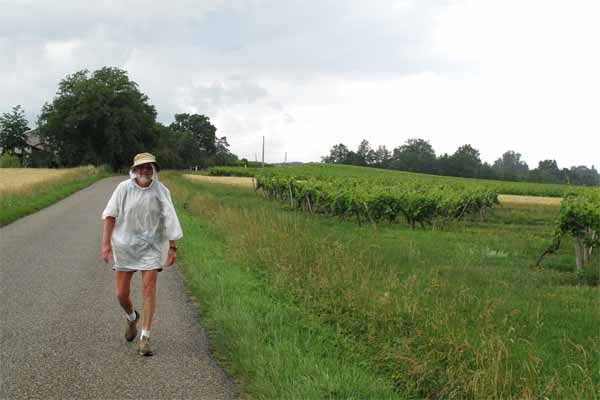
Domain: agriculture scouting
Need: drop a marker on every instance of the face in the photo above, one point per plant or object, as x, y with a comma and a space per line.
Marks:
144, 173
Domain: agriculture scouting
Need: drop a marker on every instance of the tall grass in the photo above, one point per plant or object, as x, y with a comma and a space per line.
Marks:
27, 190
271, 346
456, 313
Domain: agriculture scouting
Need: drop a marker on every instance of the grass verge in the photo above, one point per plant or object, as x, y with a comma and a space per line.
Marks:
453, 313
272, 347
26, 200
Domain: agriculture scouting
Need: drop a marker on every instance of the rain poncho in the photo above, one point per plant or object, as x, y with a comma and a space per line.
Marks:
145, 221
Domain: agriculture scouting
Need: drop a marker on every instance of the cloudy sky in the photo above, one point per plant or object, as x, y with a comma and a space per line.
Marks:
512, 74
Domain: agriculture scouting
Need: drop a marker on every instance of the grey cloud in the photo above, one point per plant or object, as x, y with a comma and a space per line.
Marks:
210, 56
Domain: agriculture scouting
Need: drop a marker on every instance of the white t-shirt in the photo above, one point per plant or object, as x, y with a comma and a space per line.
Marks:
145, 221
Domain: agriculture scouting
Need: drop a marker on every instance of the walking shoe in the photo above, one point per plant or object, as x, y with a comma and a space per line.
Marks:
131, 331
144, 346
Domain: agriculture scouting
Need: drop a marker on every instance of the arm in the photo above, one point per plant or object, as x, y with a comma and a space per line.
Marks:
172, 256
109, 224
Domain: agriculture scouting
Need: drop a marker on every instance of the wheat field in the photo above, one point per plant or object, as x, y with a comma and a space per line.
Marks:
18, 180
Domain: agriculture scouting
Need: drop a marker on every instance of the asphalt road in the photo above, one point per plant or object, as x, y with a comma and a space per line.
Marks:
61, 328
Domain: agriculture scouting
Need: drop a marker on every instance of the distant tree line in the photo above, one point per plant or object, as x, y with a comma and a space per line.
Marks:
417, 155
103, 118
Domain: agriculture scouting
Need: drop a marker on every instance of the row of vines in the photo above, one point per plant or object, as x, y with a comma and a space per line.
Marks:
375, 202
580, 218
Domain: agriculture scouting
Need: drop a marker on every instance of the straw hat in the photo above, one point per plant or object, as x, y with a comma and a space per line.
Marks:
144, 158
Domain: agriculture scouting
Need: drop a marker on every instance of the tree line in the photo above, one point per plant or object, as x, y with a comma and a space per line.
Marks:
102, 117
417, 155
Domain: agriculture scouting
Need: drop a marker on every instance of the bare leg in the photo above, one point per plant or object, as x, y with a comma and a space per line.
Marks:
149, 293
122, 284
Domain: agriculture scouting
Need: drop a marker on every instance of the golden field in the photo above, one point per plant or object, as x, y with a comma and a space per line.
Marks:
19, 180
225, 180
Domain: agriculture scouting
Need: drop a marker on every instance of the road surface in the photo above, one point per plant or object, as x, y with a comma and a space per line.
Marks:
61, 328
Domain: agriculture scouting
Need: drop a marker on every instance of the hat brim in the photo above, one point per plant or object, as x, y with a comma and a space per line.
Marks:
146, 162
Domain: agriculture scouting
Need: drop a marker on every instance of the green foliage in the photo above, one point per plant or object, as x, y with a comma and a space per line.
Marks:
9, 161
580, 218
375, 202
417, 155
453, 314
98, 118
272, 347
190, 142
400, 178
13, 126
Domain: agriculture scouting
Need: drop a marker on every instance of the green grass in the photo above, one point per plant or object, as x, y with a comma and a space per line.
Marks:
36, 197
274, 348
398, 177
451, 313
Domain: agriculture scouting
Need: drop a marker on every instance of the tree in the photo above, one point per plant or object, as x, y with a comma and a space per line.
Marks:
337, 155
98, 118
203, 132
548, 172
222, 154
510, 167
365, 154
583, 175
464, 162
13, 126
381, 157
415, 155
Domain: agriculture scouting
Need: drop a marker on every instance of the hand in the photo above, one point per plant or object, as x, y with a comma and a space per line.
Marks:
171, 257
106, 252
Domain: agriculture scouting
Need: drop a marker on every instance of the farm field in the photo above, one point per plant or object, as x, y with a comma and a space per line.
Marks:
451, 311
26, 190
248, 182
398, 177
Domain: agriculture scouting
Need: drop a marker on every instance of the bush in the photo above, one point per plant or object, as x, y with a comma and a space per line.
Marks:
9, 161
590, 274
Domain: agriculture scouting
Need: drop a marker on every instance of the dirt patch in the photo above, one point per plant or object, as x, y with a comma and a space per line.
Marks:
509, 199
224, 180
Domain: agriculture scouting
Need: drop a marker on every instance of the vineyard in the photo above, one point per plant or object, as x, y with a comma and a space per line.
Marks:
579, 218
373, 196
377, 202
458, 312
389, 177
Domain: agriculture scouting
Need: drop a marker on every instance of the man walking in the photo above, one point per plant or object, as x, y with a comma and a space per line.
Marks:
140, 231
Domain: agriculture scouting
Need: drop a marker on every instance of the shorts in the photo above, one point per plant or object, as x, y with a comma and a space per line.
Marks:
125, 269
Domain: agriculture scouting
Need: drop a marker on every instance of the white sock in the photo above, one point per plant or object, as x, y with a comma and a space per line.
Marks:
132, 316
145, 333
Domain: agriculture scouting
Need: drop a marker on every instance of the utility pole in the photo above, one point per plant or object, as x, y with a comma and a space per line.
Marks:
263, 152
285, 158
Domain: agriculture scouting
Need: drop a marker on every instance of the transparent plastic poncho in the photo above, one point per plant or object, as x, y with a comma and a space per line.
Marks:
145, 221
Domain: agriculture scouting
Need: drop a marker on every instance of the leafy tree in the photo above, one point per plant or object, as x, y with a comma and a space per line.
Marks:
13, 126
203, 132
381, 157
510, 167
337, 155
487, 171
415, 155
98, 118
583, 175
548, 172
365, 154
222, 154
465, 162
8, 160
